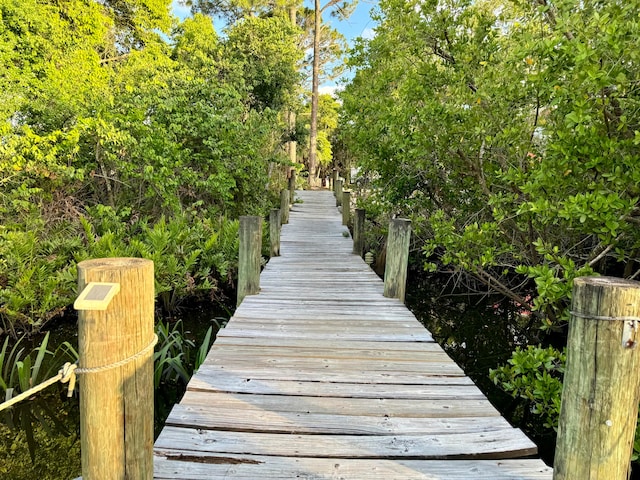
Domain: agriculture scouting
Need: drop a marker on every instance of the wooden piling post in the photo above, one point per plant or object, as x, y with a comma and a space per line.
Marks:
274, 232
602, 376
116, 402
395, 272
292, 186
334, 177
338, 192
249, 255
284, 206
346, 207
358, 232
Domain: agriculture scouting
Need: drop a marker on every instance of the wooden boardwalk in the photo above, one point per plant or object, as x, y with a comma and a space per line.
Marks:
321, 377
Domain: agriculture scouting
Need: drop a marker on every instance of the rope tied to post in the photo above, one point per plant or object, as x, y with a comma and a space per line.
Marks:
68, 374
604, 317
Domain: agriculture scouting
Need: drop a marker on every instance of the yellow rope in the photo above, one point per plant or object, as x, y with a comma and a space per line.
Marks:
120, 363
65, 374
68, 372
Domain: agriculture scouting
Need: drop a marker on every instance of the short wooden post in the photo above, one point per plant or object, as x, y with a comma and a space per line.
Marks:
284, 206
292, 186
338, 192
346, 207
116, 403
358, 232
274, 232
600, 392
395, 272
249, 255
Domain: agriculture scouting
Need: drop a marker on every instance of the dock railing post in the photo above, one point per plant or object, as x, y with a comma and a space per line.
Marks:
395, 271
249, 255
600, 390
346, 207
334, 177
292, 186
358, 232
284, 206
115, 347
338, 192
274, 232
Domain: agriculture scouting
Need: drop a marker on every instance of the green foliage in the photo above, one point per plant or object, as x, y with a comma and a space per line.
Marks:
193, 256
176, 357
265, 51
535, 375
117, 141
37, 280
22, 368
507, 132
328, 108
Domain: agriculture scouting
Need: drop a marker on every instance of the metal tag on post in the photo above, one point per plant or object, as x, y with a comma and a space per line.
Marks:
629, 334
96, 296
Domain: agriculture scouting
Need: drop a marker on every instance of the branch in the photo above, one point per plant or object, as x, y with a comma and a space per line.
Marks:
494, 283
114, 59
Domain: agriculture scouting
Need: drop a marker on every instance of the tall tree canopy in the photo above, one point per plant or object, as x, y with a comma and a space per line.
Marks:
115, 117
509, 131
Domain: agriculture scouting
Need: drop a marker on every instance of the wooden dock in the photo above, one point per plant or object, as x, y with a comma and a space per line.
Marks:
321, 377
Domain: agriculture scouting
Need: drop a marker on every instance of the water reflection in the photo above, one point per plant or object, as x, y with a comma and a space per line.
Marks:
40, 438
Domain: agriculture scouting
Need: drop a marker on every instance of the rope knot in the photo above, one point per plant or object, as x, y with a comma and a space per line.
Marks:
68, 374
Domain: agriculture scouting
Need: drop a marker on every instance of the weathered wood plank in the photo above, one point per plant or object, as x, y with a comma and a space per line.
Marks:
256, 420
391, 407
332, 364
428, 355
432, 387
375, 347
509, 444
322, 375
181, 466
328, 334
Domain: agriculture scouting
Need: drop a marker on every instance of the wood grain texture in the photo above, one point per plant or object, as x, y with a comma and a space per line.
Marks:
116, 405
249, 256
601, 385
184, 467
321, 376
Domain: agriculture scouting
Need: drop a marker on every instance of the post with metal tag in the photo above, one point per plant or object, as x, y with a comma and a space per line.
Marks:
115, 346
601, 382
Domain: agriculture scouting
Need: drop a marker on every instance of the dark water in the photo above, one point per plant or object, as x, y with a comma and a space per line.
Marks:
50, 422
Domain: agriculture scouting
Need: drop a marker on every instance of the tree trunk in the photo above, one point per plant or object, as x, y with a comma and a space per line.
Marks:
313, 133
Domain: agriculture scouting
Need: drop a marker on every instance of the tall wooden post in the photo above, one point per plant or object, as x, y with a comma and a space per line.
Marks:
334, 177
274, 232
395, 272
602, 377
358, 232
249, 255
346, 207
116, 403
284, 206
292, 186
338, 192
